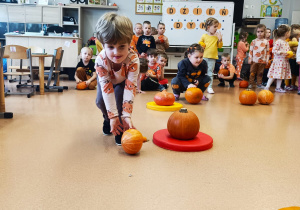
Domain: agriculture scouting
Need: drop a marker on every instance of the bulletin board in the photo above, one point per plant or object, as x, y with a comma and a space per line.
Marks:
185, 20
148, 7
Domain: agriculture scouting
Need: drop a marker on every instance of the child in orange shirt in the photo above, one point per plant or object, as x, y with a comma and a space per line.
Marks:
138, 30
242, 49
227, 65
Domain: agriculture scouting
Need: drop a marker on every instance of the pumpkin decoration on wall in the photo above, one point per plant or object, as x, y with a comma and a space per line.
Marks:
265, 97
225, 72
164, 98
224, 12
183, 124
132, 141
197, 11
191, 25
184, 10
171, 10
248, 97
193, 95
210, 11
202, 25
81, 86
178, 25
243, 84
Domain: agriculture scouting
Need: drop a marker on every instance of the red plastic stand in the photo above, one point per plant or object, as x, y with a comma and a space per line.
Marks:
201, 142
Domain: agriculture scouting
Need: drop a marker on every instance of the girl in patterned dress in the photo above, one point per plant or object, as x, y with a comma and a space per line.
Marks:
117, 67
280, 68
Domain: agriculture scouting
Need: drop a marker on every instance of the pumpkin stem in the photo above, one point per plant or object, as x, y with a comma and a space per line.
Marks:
145, 139
183, 110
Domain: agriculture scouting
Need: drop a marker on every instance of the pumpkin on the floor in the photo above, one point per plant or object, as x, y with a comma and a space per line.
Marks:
248, 97
225, 72
164, 98
193, 95
265, 97
183, 124
132, 141
81, 86
243, 84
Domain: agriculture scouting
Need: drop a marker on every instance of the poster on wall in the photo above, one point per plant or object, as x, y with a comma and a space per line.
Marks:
185, 21
148, 7
271, 8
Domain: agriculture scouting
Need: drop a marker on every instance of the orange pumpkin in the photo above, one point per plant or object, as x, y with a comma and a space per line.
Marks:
248, 97
161, 38
210, 11
178, 25
243, 84
183, 124
225, 72
202, 25
81, 86
132, 141
191, 25
164, 98
265, 97
171, 10
289, 54
193, 95
184, 11
197, 11
223, 12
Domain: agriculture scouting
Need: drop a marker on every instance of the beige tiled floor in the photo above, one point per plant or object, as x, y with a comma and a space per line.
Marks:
53, 156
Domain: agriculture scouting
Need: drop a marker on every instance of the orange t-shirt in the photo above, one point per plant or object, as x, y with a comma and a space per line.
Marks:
133, 43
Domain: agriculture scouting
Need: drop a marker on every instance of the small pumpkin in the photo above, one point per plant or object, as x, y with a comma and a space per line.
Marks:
161, 38
289, 54
243, 84
265, 97
223, 12
225, 72
197, 11
191, 25
178, 25
171, 10
183, 124
193, 95
248, 97
202, 44
81, 86
164, 98
132, 141
210, 11
184, 10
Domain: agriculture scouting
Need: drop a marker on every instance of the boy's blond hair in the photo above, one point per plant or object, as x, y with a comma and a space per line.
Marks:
163, 55
87, 49
225, 55
138, 24
112, 29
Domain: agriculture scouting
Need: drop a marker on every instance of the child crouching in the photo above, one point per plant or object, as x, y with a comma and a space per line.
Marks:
226, 64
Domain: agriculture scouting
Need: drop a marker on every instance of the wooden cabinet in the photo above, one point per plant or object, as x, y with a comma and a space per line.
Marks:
173, 60
16, 14
33, 14
51, 15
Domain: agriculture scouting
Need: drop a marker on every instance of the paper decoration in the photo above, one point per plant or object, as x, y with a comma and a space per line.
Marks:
271, 8
148, 7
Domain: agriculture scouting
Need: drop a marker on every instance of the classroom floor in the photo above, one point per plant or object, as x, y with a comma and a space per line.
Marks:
53, 155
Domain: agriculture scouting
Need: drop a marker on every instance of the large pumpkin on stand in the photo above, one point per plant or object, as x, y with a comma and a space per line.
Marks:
243, 84
183, 124
225, 72
193, 95
81, 86
265, 97
248, 97
132, 141
164, 98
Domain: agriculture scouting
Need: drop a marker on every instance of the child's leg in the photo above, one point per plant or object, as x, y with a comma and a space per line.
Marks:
231, 81
253, 71
150, 84
222, 82
93, 83
210, 70
270, 81
239, 65
265, 76
278, 86
293, 81
204, 82
80, 73
260, 72
177, 87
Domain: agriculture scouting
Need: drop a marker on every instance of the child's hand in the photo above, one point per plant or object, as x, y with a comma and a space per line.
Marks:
191, 86
116, 126
78, 81
140, 91
143, 55
158, 41
127, 123
298, 62
219, 35
87, 82
196, 82
221, 76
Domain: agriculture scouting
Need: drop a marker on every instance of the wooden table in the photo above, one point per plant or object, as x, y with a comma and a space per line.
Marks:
3, 114
41, 69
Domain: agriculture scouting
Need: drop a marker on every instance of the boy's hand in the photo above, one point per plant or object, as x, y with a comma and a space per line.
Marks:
87, 82
220, 75
191, 86
78, 81
140, 91
116, 126
127, 124
196, 82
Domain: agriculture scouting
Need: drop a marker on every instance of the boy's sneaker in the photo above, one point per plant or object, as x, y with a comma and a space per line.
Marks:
118, 139
279, 90
221, 84
295, 87
210, 90
249, 86
176, 97
231, 85
289, 88
106, 128
260, 86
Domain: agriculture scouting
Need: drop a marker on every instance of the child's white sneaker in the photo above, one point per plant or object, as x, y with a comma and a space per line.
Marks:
210, 90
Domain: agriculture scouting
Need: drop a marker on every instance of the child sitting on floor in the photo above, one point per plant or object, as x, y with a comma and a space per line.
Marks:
85, 69
162, 60
226, 64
